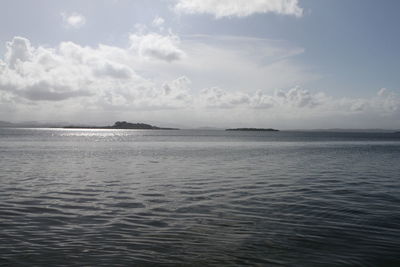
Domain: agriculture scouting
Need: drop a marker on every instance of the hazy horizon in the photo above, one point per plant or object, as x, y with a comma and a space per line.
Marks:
57, 124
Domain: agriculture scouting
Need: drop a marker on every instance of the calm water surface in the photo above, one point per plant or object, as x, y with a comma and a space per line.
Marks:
126, 197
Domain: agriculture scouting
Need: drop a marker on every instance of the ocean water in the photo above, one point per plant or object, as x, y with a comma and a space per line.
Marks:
198, 198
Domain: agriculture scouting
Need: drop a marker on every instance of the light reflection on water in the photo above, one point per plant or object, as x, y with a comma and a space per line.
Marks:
117, 197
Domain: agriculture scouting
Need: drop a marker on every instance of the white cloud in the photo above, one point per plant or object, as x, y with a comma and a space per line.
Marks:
239, 8
71, 71
295, 98
300, 98
157, 46
300, 108
68, 71
158, 21
107, 75
387, 101
75, 83
73, 20
173, 94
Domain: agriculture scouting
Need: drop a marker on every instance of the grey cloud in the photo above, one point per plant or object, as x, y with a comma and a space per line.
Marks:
359, 105
113, 70
156, 46
19, 49
299, 98
262, 101
48, 92
162, 54
217, 98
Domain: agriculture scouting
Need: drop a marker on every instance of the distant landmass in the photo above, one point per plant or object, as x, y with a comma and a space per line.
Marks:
253, 129
123, 125
31, 124
6, 124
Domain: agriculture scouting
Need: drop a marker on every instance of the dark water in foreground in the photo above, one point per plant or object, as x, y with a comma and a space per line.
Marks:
115, 197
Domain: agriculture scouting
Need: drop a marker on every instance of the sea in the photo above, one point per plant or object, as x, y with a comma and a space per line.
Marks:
76, 197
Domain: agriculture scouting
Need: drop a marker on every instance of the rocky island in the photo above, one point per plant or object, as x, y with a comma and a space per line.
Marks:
123, 125
253, 129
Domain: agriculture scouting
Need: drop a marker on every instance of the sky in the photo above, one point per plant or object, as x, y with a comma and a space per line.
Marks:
287, 64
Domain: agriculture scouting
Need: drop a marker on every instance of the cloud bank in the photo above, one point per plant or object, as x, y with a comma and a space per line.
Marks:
239, 8
80, 83
72, 71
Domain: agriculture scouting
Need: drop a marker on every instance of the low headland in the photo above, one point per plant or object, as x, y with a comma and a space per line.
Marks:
253, 129
123, 125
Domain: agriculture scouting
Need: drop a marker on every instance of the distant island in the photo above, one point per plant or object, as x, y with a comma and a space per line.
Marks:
123, 125
253, 129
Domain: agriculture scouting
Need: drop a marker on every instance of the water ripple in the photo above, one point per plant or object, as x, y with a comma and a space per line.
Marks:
132, 198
